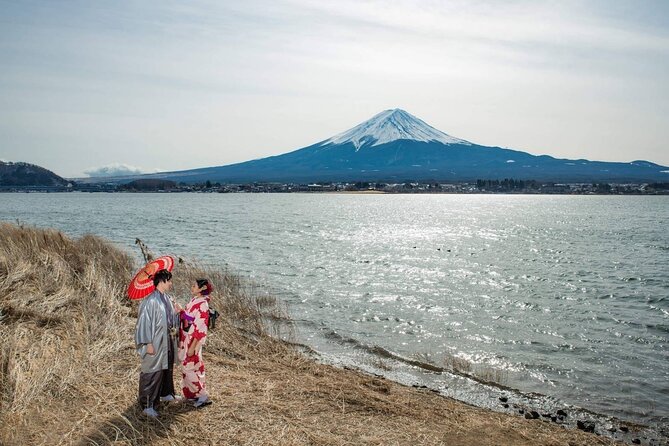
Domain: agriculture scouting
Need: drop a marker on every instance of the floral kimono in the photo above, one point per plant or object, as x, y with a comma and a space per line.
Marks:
195, 319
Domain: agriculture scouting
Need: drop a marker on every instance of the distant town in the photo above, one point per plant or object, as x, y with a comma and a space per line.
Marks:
506, 186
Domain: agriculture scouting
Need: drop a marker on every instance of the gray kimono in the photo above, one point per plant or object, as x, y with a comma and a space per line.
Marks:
153, 327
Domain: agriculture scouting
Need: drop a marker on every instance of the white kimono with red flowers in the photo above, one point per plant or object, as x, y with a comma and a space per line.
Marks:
195, 319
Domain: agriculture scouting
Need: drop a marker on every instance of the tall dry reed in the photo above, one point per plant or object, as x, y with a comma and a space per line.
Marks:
68, 327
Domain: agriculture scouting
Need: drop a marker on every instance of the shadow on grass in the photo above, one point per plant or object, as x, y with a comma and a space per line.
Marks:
135, 428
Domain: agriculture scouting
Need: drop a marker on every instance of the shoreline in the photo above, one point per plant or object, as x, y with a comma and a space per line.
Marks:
469, 389
344, 192
264, 390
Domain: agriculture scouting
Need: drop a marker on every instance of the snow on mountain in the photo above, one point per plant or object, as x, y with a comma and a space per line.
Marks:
391, 125
395, 146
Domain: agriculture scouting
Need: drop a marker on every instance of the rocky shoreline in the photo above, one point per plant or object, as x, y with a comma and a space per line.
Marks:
492, 396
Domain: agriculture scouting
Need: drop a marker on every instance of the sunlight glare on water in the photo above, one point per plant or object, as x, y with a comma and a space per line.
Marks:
568, 294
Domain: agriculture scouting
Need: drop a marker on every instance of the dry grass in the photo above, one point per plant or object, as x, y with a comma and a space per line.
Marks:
68, 371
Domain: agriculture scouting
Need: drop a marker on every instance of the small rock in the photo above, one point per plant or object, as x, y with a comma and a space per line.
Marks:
534, 414
546, 415
586, 426
636, 441
506, 406
503, 399
528, 416
624, 428
561, 413
521, 411
554, 419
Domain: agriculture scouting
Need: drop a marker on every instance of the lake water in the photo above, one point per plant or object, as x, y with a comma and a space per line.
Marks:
566, 296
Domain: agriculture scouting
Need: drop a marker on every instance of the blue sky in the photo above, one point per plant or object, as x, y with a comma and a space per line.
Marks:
169, 85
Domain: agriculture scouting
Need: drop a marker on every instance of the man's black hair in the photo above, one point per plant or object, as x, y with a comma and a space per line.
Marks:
161, 276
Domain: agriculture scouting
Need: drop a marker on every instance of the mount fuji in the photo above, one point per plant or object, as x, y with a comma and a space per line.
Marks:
397, 146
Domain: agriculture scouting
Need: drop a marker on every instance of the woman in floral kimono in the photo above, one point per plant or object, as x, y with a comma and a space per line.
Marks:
195, 320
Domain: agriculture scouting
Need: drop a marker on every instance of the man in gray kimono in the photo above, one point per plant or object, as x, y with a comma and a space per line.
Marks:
155, 339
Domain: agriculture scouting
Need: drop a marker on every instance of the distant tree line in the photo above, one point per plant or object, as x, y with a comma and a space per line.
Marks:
659, 186
507, 184
148, 185
601, 188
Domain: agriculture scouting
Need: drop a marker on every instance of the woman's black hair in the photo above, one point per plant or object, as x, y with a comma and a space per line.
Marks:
161, 276
203, 283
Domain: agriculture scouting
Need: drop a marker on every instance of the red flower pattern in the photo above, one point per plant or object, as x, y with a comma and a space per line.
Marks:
193, 375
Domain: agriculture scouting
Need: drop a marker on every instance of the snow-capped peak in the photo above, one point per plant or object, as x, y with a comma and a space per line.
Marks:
391, 125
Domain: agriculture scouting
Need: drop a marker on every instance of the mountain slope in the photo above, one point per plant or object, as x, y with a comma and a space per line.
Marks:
24, 174
389, 126
396, 146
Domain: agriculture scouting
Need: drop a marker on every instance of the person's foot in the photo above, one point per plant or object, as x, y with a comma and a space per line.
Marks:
150, 412
171, 398
202, 401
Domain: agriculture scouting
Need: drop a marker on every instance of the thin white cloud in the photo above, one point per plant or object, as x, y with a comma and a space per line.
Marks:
215, 82
566, 23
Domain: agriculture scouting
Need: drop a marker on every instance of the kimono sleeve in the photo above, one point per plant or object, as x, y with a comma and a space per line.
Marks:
144, 327
201, 313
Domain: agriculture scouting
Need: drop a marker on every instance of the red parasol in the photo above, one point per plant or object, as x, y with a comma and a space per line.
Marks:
142, 284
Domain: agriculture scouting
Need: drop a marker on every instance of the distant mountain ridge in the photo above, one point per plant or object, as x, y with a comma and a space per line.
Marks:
24, 174
396, 146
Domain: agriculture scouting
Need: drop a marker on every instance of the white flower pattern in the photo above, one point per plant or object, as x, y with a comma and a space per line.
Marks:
193, 374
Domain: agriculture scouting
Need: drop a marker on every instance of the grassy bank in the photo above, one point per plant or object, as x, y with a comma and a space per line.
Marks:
68, 370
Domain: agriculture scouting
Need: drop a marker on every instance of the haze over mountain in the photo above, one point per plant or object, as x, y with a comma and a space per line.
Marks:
397, 146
